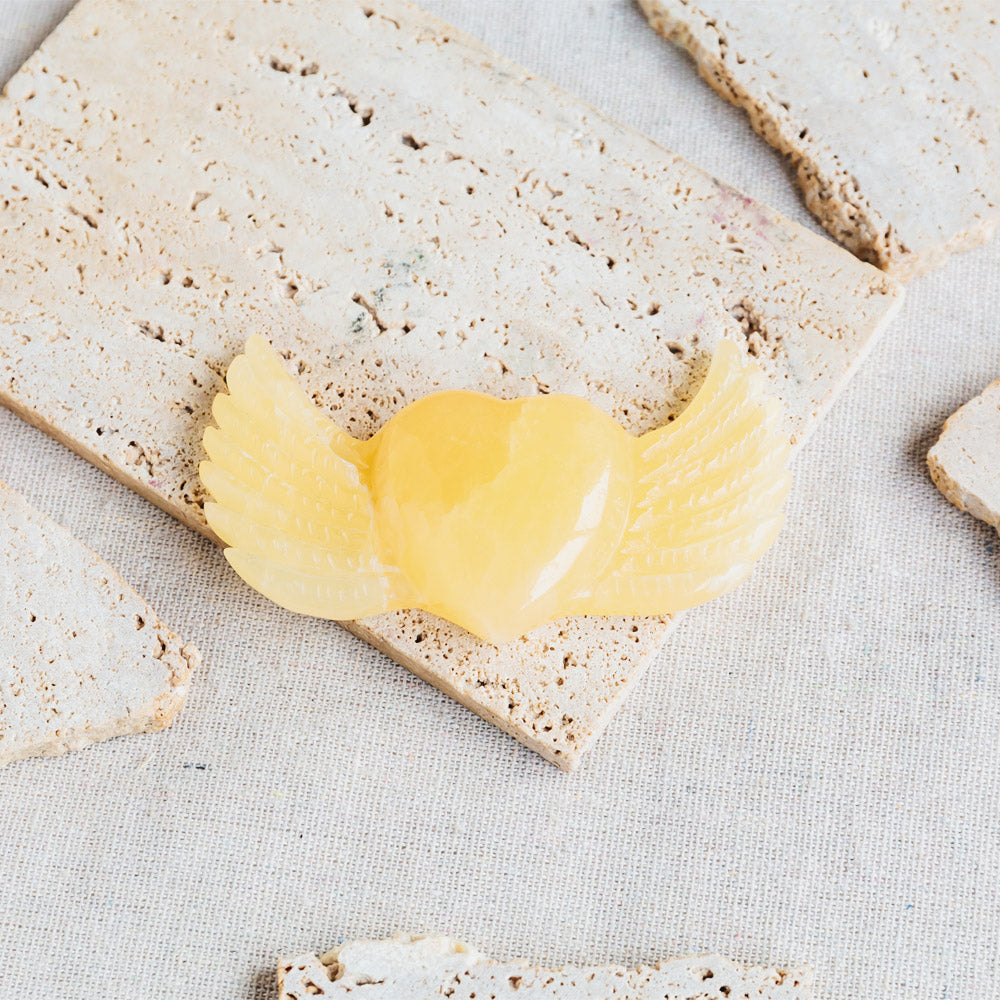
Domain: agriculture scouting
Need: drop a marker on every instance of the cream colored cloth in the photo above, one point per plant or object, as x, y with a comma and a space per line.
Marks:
807, 774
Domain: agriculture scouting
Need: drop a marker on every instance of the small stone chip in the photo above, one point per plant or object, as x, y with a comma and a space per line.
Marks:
887, 110
82, 656
413, 968
965, 462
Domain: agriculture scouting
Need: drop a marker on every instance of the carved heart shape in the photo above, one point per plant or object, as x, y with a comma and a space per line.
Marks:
499, 512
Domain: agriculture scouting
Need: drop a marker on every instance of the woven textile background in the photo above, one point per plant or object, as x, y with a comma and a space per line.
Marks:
810, 772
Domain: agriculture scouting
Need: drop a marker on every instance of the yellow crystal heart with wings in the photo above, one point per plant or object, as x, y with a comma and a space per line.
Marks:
499, 515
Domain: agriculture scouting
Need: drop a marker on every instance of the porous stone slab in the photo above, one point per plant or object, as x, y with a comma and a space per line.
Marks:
414, 968
398, 210
887, 110
965, 462
82, 656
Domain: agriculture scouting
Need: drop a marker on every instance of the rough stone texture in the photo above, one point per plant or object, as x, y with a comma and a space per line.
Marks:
82, 656
965, 462
398, 210
412, 968
888, 111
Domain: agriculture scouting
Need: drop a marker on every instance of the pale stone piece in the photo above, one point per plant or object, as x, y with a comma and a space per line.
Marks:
398, 210
888, 111
965, 462
82, 656
414, 968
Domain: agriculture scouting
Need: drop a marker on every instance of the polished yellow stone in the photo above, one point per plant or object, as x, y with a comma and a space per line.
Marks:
499, 515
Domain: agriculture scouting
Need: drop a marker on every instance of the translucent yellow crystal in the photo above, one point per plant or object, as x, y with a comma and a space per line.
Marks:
499, 515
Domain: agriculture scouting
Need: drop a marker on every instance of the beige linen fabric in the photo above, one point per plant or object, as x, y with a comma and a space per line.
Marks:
807, 774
